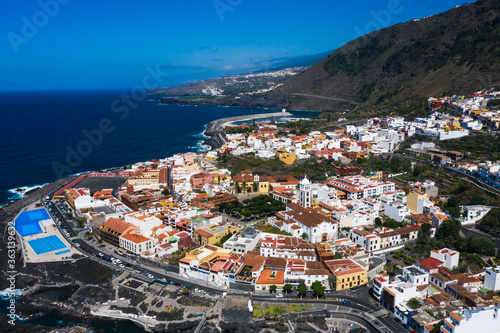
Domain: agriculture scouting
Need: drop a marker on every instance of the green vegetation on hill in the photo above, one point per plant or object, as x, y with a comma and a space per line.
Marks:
492, 219
464, 193
355, 64
249, 161
453, 52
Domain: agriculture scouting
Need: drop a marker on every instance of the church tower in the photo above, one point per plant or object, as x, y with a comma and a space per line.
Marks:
305, 192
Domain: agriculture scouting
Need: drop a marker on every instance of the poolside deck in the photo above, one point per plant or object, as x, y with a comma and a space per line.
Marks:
49, 229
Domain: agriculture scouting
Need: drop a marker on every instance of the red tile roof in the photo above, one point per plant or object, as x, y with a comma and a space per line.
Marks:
430, 263
135, 238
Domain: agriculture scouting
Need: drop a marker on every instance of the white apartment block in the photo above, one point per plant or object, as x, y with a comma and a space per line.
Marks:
492, 278
449, 257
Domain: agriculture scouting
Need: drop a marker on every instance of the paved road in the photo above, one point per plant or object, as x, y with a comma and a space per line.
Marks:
140, 270
474, 180
358, 297
326, 97
355, 307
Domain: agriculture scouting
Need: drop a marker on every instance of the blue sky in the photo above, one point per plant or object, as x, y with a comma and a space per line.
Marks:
108, 44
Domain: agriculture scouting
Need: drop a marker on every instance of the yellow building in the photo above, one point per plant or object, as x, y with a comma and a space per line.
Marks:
347, 273
286, 157
412, 201
247, 182
167, 204
220, 177
213, 234
320, 137
360, 154
268, 278
455, 126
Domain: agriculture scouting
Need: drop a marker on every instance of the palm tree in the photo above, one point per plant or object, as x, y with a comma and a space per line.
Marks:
88, 234
414, 303
185, 291
332, 279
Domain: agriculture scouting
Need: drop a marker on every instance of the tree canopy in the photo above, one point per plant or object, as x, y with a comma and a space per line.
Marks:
318, 288
414, 303
481, 246
302, 289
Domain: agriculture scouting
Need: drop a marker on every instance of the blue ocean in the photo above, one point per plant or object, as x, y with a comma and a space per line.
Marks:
47, 135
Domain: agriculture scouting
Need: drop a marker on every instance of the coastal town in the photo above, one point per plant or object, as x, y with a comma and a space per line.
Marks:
259, 231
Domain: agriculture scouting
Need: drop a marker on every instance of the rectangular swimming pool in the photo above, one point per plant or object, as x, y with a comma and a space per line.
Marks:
63, 251
27, 223
46, 244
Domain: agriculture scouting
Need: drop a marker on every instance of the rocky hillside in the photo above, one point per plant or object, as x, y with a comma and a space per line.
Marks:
456, 51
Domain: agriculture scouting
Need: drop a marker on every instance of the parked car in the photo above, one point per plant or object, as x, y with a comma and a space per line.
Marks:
346, 302
279, 295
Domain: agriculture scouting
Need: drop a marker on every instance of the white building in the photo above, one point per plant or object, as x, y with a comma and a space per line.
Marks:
416, 275
298, 220
397, 211
135, 243
492, 278
449, 257
472, 214
367, 240
241, 245
144, 222
482, 319
379, 282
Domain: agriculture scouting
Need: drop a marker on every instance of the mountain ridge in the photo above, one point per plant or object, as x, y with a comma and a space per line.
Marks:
456, 51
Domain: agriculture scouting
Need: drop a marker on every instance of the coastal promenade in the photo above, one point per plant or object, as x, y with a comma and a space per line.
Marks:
215, 129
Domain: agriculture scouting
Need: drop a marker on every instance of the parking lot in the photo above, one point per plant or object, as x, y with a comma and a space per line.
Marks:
100, 183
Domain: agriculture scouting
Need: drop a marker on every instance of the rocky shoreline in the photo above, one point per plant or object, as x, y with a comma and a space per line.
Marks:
277, 100
215, 129
63, 288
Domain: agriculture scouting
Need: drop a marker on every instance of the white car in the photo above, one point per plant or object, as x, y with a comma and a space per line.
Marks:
279, 295
197, 290
122, 265
118, 261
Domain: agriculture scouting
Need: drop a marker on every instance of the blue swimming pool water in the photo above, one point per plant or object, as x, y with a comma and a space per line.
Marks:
63, 251
27, 222
47, 244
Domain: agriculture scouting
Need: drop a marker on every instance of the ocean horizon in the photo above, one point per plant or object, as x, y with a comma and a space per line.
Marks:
53, 134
